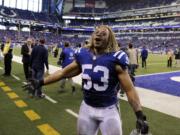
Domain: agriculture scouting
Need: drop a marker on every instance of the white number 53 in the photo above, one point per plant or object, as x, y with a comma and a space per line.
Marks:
103, 79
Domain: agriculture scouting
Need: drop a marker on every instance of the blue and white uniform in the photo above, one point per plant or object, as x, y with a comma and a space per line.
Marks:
99, 88
100, 77
67, 56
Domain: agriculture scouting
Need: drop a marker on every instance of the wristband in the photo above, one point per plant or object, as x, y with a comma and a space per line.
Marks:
139, 115
41, 82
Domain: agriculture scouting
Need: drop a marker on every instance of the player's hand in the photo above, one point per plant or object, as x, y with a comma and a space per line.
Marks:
29, 87
33, 85
142, 124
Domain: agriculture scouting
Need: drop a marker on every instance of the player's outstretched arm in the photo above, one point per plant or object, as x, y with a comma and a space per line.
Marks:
71, 70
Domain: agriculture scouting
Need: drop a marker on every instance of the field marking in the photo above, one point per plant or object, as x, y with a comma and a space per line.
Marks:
50, 99
158, 73
6, 89
175, 78
46, 129
20, 103
46, 96
161, 102
32, 115
24, 83
2, 84
12, 95
17, 78
72, 113
14, 76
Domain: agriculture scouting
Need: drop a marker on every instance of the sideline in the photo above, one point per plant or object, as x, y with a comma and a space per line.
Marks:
157, 73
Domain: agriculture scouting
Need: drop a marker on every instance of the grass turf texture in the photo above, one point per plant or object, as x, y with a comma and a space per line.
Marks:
14, 122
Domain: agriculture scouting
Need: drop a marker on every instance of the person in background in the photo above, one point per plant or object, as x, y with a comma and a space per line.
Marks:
1, 46
102, 66
26, 54
55, 51
170, 55
144, 55
34, 42
133, 61
7, 52
39, 58
66, 58
176, 56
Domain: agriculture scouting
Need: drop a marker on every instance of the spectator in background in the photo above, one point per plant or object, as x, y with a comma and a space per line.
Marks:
176, 54
34, 42
26, 54
144, 55
170, 55
39, 58
66, 58
55, 51
1, 45
178, 58
7, 52
133, 59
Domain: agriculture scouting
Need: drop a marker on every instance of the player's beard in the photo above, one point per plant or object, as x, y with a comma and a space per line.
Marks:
100, 46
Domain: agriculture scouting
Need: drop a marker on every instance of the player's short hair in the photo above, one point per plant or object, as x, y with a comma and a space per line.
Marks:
112, 43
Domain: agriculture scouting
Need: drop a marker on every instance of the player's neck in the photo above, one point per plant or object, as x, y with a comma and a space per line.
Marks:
100, 51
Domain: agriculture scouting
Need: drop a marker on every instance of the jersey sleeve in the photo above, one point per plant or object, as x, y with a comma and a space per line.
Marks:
121, 58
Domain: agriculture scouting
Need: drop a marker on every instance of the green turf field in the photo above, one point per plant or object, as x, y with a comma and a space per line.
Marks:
13, 121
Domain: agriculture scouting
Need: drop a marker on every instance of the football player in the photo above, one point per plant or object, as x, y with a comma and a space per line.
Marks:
102, 67
66, 58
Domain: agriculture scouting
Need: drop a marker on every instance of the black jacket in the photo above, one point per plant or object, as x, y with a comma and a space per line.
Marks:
25, 54
39, 57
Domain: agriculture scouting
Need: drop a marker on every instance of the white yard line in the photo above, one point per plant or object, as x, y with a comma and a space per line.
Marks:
50, 99
72, 113
17, 78
14, 76
24, 83
157, 101
18, 60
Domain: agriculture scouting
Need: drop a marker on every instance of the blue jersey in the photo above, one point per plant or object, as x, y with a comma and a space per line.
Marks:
67, 56
99, 77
